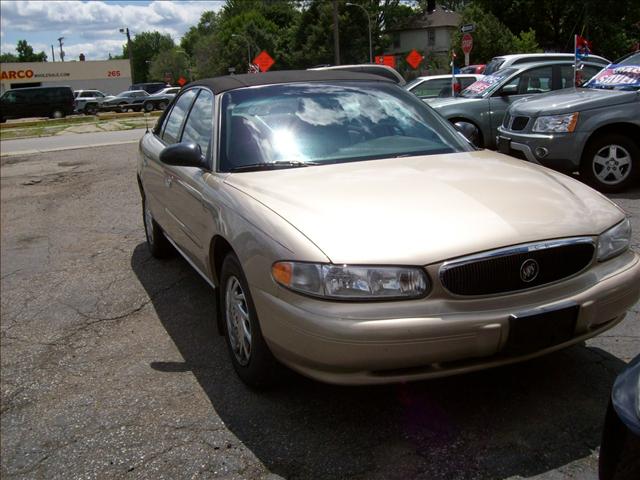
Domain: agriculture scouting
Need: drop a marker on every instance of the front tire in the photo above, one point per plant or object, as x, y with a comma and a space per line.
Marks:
250, 355
610, 163
148, 107
158, 245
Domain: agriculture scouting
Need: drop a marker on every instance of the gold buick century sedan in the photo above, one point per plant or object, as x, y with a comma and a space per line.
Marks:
354, 236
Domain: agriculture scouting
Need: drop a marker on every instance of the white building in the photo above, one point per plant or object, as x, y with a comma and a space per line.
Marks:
108, 76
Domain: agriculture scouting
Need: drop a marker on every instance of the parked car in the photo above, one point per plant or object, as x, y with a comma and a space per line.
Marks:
160, 99
481, 107
54, 102
620, 447
595, 129
473, 69
355, 236
372, 68
87, 101
504, 61
435, 86
150, 87
129, 99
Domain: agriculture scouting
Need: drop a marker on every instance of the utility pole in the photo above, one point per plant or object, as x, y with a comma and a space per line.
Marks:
61, 51
53, 54
336, 34
129, 50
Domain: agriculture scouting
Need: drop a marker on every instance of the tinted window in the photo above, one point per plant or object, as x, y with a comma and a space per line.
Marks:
537, 80
494, 65
329, 123
175, 118
199, 126
466, 81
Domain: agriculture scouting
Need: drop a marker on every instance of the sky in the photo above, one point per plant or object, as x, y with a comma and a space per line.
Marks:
92, 27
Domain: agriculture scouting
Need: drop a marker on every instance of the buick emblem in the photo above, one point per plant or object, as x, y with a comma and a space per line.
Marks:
529, 270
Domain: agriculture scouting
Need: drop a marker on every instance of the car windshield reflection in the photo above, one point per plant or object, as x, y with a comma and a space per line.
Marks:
324, 124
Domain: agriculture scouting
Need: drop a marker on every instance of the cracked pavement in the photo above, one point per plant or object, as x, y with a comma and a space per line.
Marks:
112, 368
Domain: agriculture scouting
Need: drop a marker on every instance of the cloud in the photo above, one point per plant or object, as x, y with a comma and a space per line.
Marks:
92, 27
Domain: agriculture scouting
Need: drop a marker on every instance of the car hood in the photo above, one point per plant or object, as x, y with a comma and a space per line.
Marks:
570, 100
424, 209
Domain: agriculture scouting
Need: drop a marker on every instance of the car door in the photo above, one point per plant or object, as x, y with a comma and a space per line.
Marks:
526, 83
156, 179
187, 182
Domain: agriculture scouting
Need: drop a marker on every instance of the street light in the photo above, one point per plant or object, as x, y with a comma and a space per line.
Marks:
129, 50
237, 35
349, 4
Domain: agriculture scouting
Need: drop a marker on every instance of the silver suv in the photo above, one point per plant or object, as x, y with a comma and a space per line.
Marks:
595, 129
88, 98
504, 61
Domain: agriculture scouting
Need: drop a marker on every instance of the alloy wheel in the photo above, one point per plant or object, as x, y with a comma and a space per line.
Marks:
611, 164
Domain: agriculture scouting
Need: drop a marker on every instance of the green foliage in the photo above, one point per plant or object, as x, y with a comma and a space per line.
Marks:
611, 25
173, 63
206, 26
145, 46
26, 53
490, 38
8, 57
526, 43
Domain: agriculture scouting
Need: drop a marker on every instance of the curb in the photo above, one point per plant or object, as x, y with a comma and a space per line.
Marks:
61, 149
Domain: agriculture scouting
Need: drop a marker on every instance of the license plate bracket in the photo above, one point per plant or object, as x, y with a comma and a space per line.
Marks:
535, 330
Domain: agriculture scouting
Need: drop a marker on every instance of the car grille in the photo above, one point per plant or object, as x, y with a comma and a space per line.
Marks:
518, 123
517, 268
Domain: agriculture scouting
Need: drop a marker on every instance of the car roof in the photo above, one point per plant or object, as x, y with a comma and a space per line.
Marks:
448, 75
233, 82
551, 55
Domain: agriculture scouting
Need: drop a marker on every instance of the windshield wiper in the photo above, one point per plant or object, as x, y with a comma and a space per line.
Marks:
271, 166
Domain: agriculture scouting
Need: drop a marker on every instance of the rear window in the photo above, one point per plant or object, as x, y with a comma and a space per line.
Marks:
494, 65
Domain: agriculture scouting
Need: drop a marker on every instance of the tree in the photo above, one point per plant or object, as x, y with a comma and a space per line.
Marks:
206, 26
8, 58
173, 63
145, 47
610, 25
490, 38
26, 53
526, 42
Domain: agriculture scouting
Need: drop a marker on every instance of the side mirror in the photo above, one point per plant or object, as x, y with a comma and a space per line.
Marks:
508, 90
469, 131
183, 155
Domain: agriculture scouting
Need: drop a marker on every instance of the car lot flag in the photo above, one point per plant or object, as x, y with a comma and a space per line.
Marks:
453, 74
582, 49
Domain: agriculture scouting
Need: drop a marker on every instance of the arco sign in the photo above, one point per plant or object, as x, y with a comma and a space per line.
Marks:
15, 74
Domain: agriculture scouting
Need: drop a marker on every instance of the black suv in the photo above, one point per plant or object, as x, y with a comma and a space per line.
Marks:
54, 102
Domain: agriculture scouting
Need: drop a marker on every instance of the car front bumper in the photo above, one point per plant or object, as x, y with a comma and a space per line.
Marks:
384, 342
561, 151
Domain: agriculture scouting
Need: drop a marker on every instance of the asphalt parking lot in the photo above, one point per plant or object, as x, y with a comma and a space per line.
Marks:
111, 366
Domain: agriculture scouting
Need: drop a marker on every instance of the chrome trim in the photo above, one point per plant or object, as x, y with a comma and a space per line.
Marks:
507, 251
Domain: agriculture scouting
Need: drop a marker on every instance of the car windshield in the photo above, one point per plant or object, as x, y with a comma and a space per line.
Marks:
623, 75
297, 124
487, 83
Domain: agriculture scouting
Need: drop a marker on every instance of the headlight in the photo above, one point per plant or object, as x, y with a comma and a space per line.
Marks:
614, 241
348, 282
556, 123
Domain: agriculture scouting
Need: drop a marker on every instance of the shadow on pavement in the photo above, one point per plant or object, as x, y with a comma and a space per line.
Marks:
519, 420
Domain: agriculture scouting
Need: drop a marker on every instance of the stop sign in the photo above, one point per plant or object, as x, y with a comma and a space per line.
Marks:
467, 43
